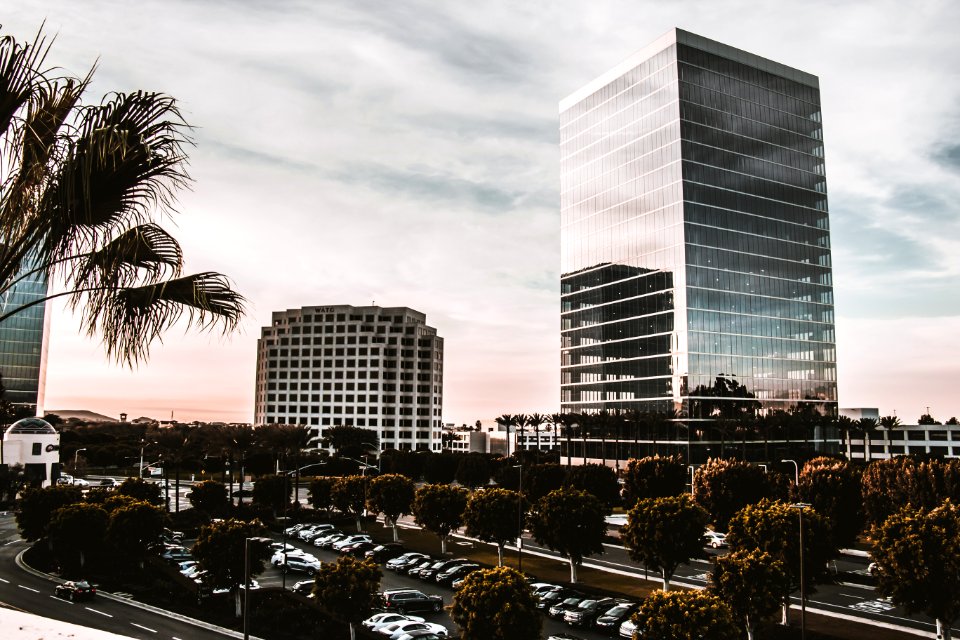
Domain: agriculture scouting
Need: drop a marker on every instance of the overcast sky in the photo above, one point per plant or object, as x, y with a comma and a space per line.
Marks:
406, 153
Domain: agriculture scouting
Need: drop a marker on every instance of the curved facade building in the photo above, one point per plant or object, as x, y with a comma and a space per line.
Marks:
695, 236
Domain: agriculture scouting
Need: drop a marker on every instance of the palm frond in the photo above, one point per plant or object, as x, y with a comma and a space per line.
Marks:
19, 70
127, 159
145, 251
129, 319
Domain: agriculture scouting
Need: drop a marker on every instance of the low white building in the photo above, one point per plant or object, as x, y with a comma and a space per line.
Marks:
34, 444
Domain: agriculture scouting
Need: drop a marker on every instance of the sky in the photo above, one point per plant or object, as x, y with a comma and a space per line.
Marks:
406, 153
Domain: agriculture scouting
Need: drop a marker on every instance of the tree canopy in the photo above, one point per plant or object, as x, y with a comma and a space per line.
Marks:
210, 497
347, 589
391, 494
349, 496
220, 551
75, 531
36, 507
663, 533
494, 515
753, 584
350, 441
570, 522
682, 615
598, 480
496, 604
134, 527
917, 552
725, 486
832, 487
654, 477
439, 508
81, 190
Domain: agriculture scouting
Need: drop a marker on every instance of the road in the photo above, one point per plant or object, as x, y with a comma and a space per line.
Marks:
26, 592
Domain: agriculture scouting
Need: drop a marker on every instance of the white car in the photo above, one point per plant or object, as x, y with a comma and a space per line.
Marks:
379, 620
714, 539
340, 544
279, 546
397, 629
278, 557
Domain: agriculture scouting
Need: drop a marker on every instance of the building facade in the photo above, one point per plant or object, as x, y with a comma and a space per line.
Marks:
695, 239
379, 368
23, 345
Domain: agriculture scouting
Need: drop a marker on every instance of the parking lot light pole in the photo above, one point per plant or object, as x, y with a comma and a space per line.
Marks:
246, 581
796, 472
800, 506
519, 518
75, 454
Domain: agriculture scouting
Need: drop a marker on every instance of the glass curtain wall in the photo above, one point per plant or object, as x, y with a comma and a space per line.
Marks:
22, 344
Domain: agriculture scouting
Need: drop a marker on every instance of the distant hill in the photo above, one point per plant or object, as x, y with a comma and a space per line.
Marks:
82, 414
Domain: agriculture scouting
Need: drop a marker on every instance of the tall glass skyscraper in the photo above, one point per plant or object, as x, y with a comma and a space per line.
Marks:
23, 346
695, 237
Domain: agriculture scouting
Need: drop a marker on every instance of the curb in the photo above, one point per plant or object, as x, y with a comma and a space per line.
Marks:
139, 605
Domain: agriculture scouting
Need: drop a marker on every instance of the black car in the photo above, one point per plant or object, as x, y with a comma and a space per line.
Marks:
447, 577
76, 590
559, 609
404, 561
384, 552
415, 568
610, 621
588, 611
430, 573
357, 549
411, 602
551, 598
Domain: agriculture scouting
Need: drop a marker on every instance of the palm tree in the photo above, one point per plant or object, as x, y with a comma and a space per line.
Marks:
845, 425
506, 420
535, 420
889, 423
80, 188
568, 420
519, 421
866, 426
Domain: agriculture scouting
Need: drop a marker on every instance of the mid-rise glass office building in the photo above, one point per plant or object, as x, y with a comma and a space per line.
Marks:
23, 350
695, 235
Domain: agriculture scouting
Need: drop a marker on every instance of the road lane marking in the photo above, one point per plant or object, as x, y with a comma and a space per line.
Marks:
7, 544
28, 588
6, 581
61, 600
143, 627
850, 595
109, 615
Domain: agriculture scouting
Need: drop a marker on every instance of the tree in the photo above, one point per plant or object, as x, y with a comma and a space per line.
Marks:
541, 479
350, 441
662, 533
496, 604
134, 528
888, 485
140, 489
683, 615
320, 492
570, 522
36, 507
11, 482
473, 470
77, 530
833, 489
272, 492
597, 479
440, 468
723, 487
494, 515
752, 583
349, 496
391, 494
210, 497
220, 551
774, 527
917, 552
82, 186
654, 477
348, 589
927, 419
439, 508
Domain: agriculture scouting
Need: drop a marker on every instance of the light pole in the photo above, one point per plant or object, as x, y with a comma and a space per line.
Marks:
377, 449
519, 518
246, 581
692, 479
796, 471
800, 506
75, 454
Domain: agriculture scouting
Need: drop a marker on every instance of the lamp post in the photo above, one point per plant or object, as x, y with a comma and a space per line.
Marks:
692, 479
143, 443
800, 506
377, 449
796, 471
246, 581
75, 454
519, 518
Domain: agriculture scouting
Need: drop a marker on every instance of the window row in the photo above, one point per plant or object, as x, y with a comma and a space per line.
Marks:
758, 305
757, 245
759, 285
760, 347
742, 183
757, 225
751, 165
730, 260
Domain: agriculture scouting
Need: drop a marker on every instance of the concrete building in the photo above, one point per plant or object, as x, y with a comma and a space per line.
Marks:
882, 444
379, 368
695, 243
23, 344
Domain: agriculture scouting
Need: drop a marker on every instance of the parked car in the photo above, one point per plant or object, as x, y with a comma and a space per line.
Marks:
416, 567
563, 636
279, 557
304, 564
457, 583
422, 634
588, 611
357, 549
108, 483
627, 628
360, 537
303, 587
559, 609
459, 571
405, 560
174, 555
327, 535
170, 535
395, 630
382, 619
714, 539
431, 572
329, 541
385, 552
411, 601
551, 598
75, 590
314, 532
292, 530
610, 621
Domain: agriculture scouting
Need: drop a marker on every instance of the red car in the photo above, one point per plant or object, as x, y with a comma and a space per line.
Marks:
79, 590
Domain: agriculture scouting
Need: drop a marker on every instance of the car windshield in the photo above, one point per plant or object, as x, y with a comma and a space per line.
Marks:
570, 601
83, 584
619, 610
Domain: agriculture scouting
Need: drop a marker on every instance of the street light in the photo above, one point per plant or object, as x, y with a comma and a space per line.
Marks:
519, 518
800, 506
75, 454
692, 479
796, 471
377, 449
246, 581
